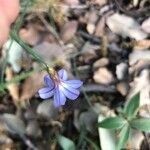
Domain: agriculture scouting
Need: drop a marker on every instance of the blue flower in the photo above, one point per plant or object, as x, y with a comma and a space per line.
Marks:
58, 86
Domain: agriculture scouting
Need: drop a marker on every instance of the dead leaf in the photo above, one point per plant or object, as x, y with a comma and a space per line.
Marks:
99, 30
68, 30
31, 85
12, 88
135, 140
49, 52
141, 84
30, 34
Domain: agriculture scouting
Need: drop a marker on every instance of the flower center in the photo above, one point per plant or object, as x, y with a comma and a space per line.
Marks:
54, 76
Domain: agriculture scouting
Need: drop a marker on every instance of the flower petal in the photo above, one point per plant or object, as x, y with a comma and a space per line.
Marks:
48, 81
74, 83
59, 98
63, 74
44, 93
69, 92
44, 90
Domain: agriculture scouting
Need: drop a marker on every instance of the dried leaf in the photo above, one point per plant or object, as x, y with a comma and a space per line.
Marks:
30, 35
50, 52
68, 30
142, 85
99, 31
12, 88
135, 140
31, 85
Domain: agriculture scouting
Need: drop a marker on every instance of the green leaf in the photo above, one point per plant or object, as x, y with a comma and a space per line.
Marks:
112, 123
142, 124
123, 137
65, 143
132, 107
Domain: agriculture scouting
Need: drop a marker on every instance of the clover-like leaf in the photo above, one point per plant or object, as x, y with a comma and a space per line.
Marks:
142, 124
132, 106
112, 123
123, 137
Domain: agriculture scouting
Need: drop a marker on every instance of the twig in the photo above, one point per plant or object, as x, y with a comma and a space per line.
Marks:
100, 88
90, 37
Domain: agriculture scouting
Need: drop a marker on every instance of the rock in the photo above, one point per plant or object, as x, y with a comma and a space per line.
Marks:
123, 88
103, 76
33, 129
84, 72
139, 55
100, 2
87, 118
92, 19
88, 52
14, 124
47, 110
4, 139
138, 66
146, 25
122, 71
125, 26
71, 2
101, 62
30, 114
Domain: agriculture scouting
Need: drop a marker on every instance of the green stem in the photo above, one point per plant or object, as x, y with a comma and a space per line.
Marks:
83, 91
19, 78
29, 50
